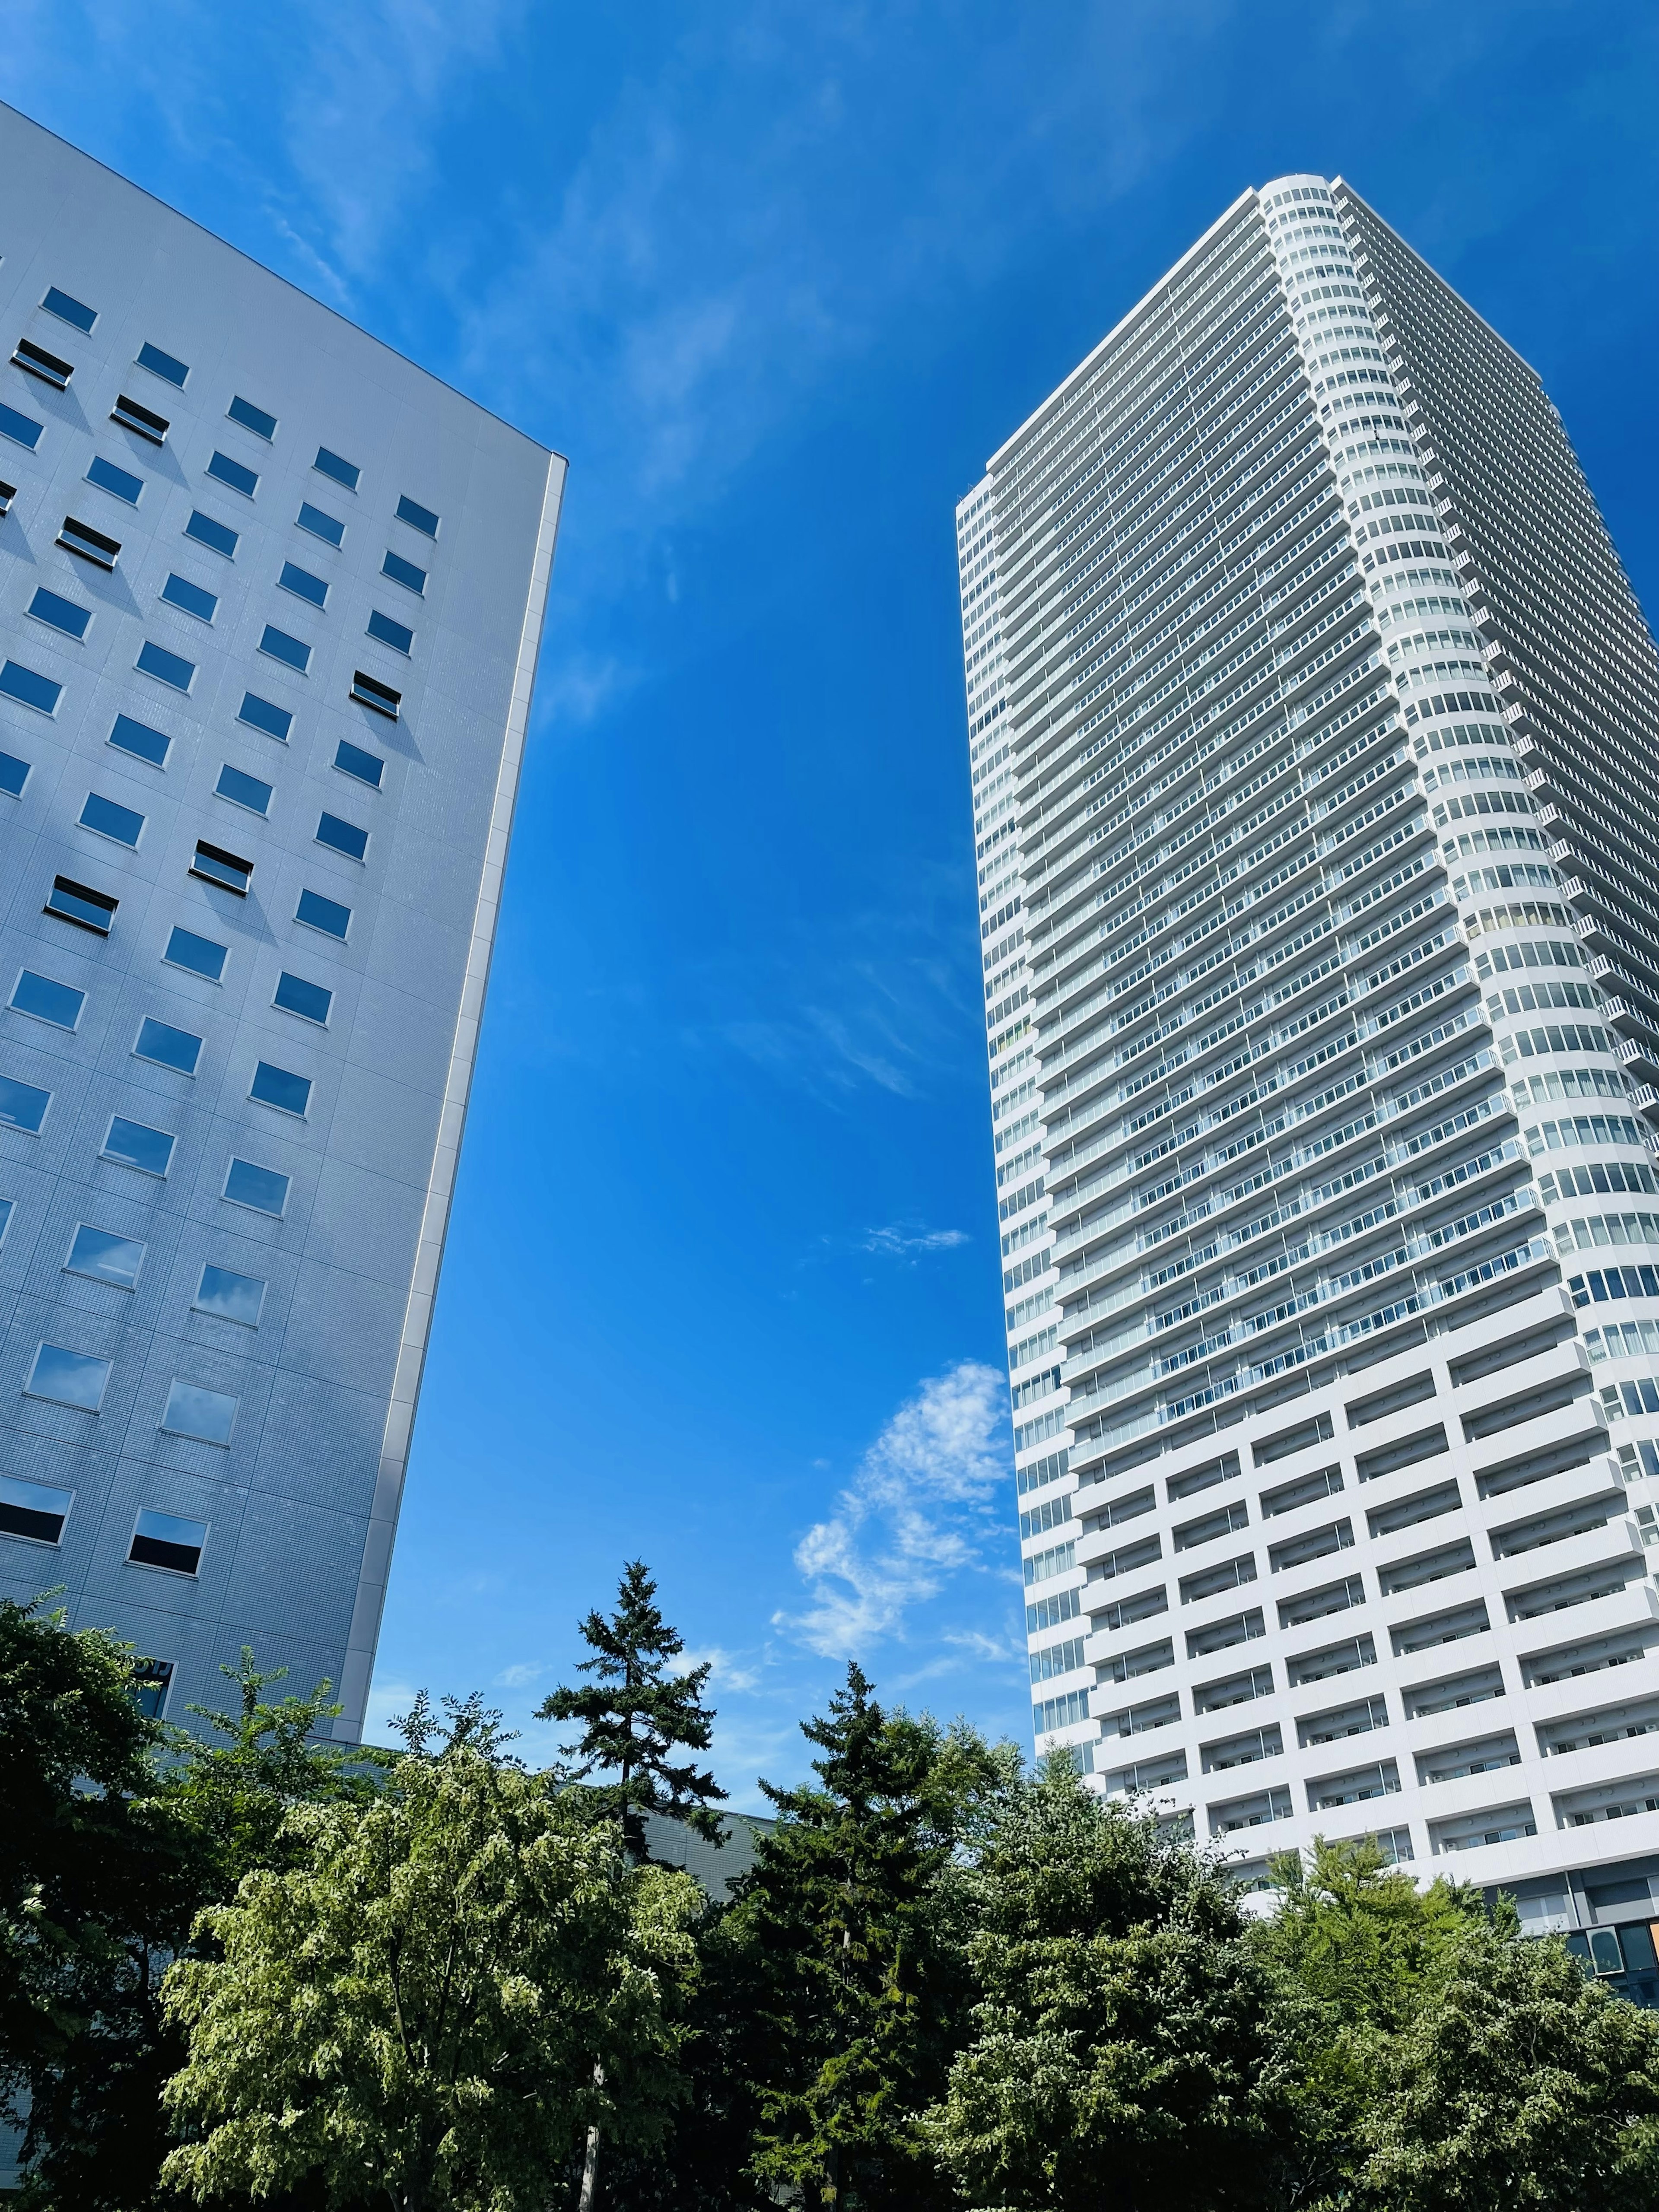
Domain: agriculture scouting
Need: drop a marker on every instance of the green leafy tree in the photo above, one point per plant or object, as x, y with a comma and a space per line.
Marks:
417, 2008
1121, 2054
635, 1715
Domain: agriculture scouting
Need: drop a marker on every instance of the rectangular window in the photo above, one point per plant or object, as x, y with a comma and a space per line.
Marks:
215, 865
15, 773
252, 418
344, 836
162, 364
22, 1106
164, 1540
69, 310
416, 516
50, 367
303, 584
352, 760
404, 572
132, 414
151, 1681
168, 1046
80, 903
199, 954
265, 714
179, 591
207, 1415
7, 493
206, 532
120, 484
293, 652
22, 429
367, 692
135, 1145
166, 667
60, 1004
69, 1378
104, 1256
226, 471
320, 913
60, 613
343, 472
309, 1000
232, 1297
90, 544
35, 1510
110, 820
282, 1088
261, 1189
396, 635
244, 790
138, 738
320, 524
29, 689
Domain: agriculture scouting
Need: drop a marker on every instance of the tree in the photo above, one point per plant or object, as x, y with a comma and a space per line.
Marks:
413, 2008
1120, 2053
634, 1714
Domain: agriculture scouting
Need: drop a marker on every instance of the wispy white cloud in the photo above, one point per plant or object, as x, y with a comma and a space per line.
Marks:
523, 1675
903, 1240
914, 1515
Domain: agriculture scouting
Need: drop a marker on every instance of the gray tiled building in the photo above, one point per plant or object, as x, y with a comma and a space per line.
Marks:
270, 598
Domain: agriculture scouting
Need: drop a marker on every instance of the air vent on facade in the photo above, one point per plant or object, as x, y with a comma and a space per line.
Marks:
46, 366
215, 865
380, 696
91, 544
131, 416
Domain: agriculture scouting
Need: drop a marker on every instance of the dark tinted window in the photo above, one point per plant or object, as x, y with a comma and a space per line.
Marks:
162, 364
206, 532
67, 310
252, 418
343, 472
418, 517
232, 473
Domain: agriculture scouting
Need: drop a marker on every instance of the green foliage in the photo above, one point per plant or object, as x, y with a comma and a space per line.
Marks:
412, 2009
1119, 2052
634, 1714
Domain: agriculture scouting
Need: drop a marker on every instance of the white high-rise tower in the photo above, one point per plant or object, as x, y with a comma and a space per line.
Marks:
1315, 744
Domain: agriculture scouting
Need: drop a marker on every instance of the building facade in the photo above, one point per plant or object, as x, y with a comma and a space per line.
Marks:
270, 598
1310, 715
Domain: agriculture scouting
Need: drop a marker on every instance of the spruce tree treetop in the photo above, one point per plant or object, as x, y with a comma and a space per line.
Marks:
634, 1714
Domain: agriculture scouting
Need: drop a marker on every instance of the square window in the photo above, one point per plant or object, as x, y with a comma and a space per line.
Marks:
135, 1145
21, 1106
164, 1540
60, 1004
320, 524
282, 1088
232, 1297
244, 790
215, 865
89, 544
162, 364
168, 1046
151, 1681
22, 429
309, 1000
262, 1190
80, 903
138, 738
120, 484
48, 366
104, 1256
324, 914
207, 1415
166, 667
404, 572
265, 714
226, 471
33, 1511
206, 532
344, 836
303, 584
110, 820
69, 1378
199, 954
293, 652
62, 614
396, 635
69, 310
343, 472
367, 691
15, 773
179, 591
132, 414
252, 418
29, 689
352, 760
417, 517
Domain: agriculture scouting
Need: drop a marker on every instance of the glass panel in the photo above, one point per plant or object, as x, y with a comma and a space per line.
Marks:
109, 1258
261, 1188
35, 1509
191, 1410
33, 691
179, 591
262, 714
294, 651
303, 584
1605, 1953
170, 1048
232, 473
404, 572
418, 517
110, 820
199, 954
343, 472
22, 1106
323, 914
396, 635
22, 429
136, 1145
120, 481
279, 1086
206, 532
232, 1297
63, 614
245, 790
130, 737
168, 667
343, 836
252, 418
164, 1540
47, 1001
319, 524
151, 1681
15, 773
162, 364
71, 1378
296, 996
67, 310
368, 768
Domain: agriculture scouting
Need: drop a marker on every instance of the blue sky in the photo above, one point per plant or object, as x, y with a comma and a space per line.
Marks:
722, 1283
